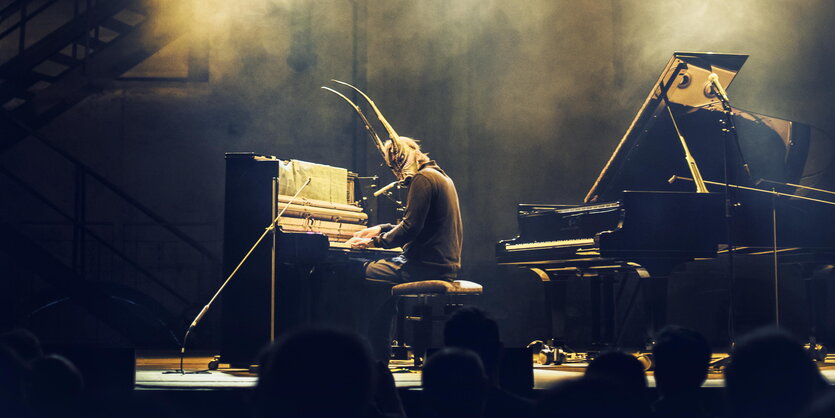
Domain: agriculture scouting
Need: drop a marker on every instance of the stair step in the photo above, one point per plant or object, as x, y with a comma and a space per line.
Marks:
35, 76
130, 16
52, 113
64, 60
116, 25
13, 104
141, 7
18, 86
95, 44
58, 39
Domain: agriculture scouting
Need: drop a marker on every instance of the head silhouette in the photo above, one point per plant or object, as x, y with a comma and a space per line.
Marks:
12, 372
55, 386
23, 342
473, 329
822, 407
624, 374
588, 397
619, 368
454, 383
298, 369
770, 375
681, 358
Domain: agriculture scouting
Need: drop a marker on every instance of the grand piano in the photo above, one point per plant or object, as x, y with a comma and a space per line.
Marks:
643, 218
301, 275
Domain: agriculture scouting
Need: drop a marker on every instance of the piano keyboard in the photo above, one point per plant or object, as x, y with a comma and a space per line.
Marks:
545, 245
590, 208
345, 246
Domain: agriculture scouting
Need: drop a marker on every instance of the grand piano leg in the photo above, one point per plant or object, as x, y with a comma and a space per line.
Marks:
555, 301
655, 277
608, 309
816, 294
595, 297
601, 288
656, 298
602, 296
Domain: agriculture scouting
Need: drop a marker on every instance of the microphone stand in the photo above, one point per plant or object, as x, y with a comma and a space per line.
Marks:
731, 137
774, 259
813, 347
269, 229
817, 351
386, 188
796, 186
673, 179
386, 191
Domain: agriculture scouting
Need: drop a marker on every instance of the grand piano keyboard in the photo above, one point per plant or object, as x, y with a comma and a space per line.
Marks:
547, 245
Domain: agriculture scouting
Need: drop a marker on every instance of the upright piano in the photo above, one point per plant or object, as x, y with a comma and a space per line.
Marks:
275, 289
642, 217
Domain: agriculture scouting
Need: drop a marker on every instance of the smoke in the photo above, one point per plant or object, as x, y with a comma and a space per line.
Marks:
518, 101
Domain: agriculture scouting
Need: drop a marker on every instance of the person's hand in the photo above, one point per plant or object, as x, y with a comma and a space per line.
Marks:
368, 232
360, 243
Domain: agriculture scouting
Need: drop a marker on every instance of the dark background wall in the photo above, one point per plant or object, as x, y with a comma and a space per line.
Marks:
520, 102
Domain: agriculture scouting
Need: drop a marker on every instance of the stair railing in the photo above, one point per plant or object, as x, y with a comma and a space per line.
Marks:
78, 218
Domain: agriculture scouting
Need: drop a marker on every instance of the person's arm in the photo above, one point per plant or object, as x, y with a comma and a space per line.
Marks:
417, 207
365, 238
373, 231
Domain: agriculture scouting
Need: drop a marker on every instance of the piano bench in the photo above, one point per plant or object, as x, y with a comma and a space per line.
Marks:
431, 302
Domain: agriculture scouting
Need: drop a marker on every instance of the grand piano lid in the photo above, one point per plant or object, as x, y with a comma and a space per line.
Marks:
684, 78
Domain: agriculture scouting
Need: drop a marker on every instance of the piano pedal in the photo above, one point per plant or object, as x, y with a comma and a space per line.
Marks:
400, 351
546, 353
816, 351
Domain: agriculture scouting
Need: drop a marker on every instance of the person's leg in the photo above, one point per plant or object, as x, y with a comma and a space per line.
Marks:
380, 276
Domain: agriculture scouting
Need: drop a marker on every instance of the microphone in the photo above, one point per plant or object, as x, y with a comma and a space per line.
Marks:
386, 188
713, 81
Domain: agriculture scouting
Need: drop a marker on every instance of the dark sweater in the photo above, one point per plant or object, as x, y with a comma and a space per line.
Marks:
430, 232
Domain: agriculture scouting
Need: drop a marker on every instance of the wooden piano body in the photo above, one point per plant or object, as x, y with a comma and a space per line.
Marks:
280, 286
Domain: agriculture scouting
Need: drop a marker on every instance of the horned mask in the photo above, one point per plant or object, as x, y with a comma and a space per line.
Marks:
399, 155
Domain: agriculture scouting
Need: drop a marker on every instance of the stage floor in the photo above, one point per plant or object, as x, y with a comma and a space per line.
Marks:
161, 370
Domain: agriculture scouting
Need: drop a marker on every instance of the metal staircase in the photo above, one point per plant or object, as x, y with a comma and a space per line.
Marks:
56, 53
98, 40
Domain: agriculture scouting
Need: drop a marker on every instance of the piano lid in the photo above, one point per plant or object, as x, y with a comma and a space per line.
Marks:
684, 78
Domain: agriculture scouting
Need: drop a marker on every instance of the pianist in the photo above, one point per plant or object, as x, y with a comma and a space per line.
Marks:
430, 232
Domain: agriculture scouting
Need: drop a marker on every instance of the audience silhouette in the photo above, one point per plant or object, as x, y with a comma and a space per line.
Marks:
471, 328
454, 384
681, 357
327, 373
822, 407
587, 397
770, 375
54, 387
13, 371
23, 342
318, 373
624, 374
622, 369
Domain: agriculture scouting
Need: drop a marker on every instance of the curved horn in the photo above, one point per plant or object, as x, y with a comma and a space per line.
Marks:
395, 143
368, 127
